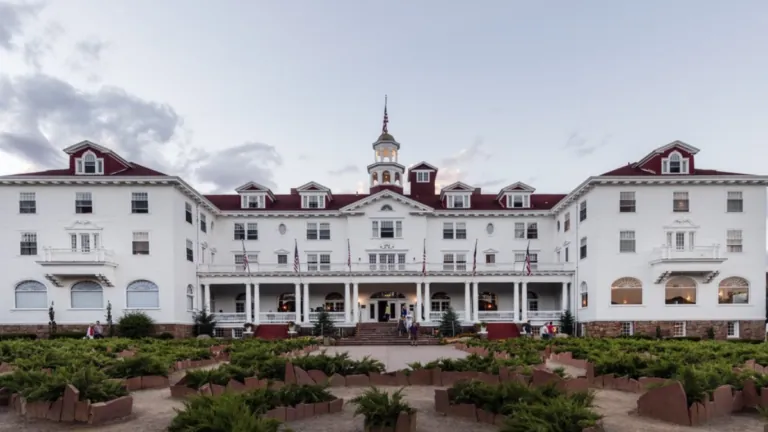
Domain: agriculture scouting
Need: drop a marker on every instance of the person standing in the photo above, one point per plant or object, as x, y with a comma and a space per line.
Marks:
415, 334
89, 332
527, 330
544, 331
551, 330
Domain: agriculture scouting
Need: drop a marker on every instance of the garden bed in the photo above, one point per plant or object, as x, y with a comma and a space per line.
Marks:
69, 408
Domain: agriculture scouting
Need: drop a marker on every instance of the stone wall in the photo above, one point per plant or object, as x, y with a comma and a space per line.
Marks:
41, 330
747, 329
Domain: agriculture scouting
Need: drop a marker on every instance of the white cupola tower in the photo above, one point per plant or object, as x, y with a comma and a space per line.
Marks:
385, 172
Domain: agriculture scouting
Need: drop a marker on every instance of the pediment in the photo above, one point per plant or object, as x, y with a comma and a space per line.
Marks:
84, 225
252, 187
383, 197
102, 151
313, 187
519, 187
422, 166
458, 187
490, 251
682, 224
678, 145
281, 252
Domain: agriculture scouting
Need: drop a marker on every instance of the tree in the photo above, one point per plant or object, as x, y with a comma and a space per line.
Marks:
204, 323
324, 325
449, 323
52, 327
567, 323
110, 326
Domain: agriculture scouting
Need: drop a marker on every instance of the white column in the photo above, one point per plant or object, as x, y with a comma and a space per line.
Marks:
516, 301
306, 302
467, 302
417, 309
427, 302
256, 304
346, 302
355, 303
297, 297
524, 288
476, 301
564, 302
207, 293
248, 299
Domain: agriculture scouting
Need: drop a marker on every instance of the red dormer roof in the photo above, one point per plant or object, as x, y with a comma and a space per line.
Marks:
422, 166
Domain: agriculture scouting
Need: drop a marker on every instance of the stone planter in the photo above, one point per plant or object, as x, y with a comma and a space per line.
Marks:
69, 408
405, 423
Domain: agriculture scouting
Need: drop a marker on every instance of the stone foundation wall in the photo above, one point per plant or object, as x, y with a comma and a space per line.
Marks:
747, 329
41, 330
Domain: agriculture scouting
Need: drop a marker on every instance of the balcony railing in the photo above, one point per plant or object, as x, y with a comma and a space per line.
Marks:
672, 253
496, 316
437, 316
338, 317
545, 315
416, 267
277, 317
229, 317
78, 255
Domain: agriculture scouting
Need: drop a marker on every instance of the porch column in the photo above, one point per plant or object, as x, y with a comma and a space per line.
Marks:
256, 304
306, 303
248, 299
427, 303
346, 302
476, 302
355, 303
524, 288
516, 302
297, 302
417, 310
207, 294
564, 302
467, 302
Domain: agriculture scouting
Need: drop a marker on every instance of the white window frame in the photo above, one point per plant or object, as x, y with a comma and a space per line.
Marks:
490, 259
37, 291
732, 329
28, 243
458, 201
252, 201
377, 228
583, 295
734, 241
148, 294
314, 201
518, 200
520, 230
583, 211
188, 216
387, 261
318, 261
284, 255
139, 202
627, 242
190, 298
454, 261
319, 229
679, 329
83, 202
140, 237
253, 258
190, 251
627, 202
532, 231
27, 203
88, 158
82, 285
668, 167
534, 257
737, 199
203, 222
627, 328
583, 251
681, 197
455, 228
567, 222
422, 176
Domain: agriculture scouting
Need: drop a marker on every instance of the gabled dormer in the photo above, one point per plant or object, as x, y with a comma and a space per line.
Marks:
516, 195
422, 178
314, 196
675, 158
87, 158
457, 196
255, 196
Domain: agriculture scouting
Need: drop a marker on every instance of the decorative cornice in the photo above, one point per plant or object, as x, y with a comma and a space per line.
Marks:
387, 194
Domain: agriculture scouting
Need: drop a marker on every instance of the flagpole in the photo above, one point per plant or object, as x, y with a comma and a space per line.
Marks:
250, 282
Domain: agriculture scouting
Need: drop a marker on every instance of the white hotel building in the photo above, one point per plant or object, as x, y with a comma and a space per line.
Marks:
660, 242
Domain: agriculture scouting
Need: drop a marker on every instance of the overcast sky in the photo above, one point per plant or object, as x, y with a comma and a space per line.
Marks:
284, 92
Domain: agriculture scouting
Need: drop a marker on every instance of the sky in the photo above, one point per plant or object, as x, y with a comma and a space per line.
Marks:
286, 92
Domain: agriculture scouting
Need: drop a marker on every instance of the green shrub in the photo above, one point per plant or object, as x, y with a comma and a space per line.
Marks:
204, 323
135, 325
164, 336
379, 408
67, 335
12, 336
226, 413
140, 365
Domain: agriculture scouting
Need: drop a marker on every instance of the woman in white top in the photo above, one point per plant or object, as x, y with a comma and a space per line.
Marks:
544, 332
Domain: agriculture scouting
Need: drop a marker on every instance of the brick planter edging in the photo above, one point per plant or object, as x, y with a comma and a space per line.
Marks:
69, 409
303, 411
405, 423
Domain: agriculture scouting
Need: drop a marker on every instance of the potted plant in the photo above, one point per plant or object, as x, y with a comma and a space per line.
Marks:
483, 327
291, 326
384, 412
248, 329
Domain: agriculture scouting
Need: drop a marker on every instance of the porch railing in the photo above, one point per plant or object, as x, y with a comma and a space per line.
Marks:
89, 255
671, 253
337, 317
545, 315
229, 317
277, 317
437, 316
416, 267
496, 315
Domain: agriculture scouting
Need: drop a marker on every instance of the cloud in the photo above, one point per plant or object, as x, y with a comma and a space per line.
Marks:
489, 183
13, 16
453, 168
87, 53
582, 147
348, 169
255, 162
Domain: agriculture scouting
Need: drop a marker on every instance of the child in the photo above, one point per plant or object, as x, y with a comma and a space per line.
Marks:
415, 334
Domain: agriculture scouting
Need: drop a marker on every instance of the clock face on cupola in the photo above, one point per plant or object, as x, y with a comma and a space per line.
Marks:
385, 172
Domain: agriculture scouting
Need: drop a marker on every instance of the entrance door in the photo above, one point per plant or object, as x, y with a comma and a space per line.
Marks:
382, 310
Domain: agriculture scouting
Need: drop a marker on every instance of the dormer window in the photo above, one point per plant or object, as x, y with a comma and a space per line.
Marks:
422, 176
89, 164
674, 164
458, 201
518, 201
312, 202
253, 201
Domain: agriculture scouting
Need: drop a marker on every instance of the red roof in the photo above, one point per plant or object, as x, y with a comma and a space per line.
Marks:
135, 170
634, 170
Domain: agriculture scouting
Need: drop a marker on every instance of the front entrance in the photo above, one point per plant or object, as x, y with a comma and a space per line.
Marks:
386, 305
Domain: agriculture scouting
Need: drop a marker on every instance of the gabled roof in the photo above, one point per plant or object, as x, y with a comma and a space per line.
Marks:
255, 187
663, 149
88, 144
457, 187
387, 194
422, 166
515, 187
313, 187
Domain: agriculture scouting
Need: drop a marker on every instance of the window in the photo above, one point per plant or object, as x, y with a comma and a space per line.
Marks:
582, 211
83, 202
28, 243
735, 202
583, 248
387, 261
584, 291
567, 255
387, 229
87, 295
317, 262
457, 230
190, 298
680, 290
252, 233
188, 212
674, 164
733, 290
567, 222
282, 259
558, 225
239, 232
534, 257
312, 202
490, 258
455, 262
139, 202
627, 329
680, 201
252, 201
422, 176
487, 301
440, 302
627, 241
240, 261
286, 302
676, 240
518, 201
458, 201
678, 329
203, 223
140, 243
627, 203
627, 291
489, 229
142, 294
533, 230
27, 203
31, 295
733, 329
519, 230
318, 231
190, 251
89, 164
734, 241
334, 302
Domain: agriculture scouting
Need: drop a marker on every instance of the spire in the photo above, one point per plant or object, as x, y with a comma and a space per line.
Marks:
386, 117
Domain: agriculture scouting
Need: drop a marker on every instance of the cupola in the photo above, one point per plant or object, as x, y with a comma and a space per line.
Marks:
385, 171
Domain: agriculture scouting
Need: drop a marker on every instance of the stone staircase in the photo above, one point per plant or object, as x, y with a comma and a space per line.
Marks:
383, 334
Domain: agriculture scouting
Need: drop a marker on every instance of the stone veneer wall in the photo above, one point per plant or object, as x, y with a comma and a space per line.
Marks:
41, 330
747, 329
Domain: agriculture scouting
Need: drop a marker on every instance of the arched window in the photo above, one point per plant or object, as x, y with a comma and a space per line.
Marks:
87, 295
386, 177
584, 291
190, 297
31, 294
386, 207
374, 178
240, 303
733, 290
533, 301
680, 290
627, 290
440, 302
486, 301
142, 294
397, 178
334, 302
286, 302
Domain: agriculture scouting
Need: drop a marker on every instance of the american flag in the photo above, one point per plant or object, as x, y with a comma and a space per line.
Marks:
474, 260
296, 263
349, 256
245, 258
386, 117
528, 260
424, 260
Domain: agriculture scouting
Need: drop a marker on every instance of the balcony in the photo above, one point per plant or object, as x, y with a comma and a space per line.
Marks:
62, 264
277, 317
437, 316
229, 318
701, 261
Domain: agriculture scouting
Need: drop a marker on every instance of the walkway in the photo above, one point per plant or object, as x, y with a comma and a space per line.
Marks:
398, 357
